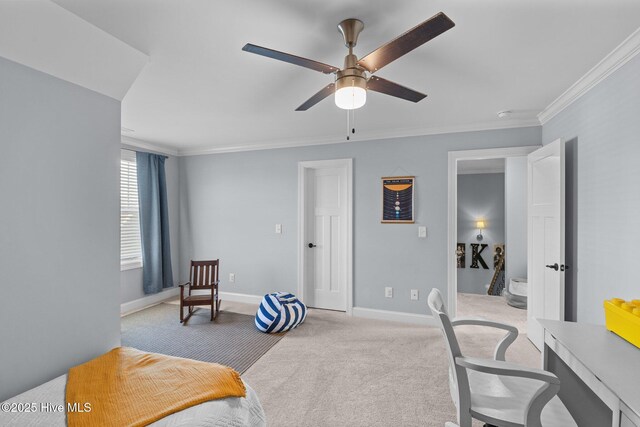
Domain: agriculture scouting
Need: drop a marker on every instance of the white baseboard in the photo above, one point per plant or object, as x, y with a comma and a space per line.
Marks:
368, 313
394, 316
148, 301
245, 298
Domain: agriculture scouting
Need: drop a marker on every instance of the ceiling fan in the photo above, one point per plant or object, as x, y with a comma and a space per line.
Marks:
351, 82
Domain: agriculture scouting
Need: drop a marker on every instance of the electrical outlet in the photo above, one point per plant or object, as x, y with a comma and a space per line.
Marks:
279, 228
388, 292
422, 232
414, 295
232, 277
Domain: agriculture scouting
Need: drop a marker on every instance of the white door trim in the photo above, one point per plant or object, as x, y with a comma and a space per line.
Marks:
452, 222
302, 167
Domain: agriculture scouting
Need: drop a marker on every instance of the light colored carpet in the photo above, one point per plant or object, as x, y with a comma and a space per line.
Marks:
336, 370
493, 307
232, 339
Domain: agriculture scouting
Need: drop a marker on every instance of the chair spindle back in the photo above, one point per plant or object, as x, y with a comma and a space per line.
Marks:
204, 273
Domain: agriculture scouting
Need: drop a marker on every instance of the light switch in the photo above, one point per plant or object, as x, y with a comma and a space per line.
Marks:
422, 232
279, 228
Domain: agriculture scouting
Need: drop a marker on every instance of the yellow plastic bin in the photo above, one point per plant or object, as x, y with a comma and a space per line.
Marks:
623, 318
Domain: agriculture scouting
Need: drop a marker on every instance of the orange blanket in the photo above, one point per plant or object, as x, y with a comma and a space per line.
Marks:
127, 387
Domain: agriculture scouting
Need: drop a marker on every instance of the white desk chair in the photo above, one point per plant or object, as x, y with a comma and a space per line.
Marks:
494, 391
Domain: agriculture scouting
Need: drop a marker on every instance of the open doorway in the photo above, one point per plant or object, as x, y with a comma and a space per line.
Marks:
488, 234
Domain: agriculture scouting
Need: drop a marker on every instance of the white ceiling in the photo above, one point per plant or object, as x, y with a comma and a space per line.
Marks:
199, 91
67, 47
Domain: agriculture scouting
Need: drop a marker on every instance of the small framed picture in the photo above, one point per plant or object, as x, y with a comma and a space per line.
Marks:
461, 255
397, 199
498, 253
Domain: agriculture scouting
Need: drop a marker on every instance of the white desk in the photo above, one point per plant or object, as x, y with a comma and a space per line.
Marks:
599, 373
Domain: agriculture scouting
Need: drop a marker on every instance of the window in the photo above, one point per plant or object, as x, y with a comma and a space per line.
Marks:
130, 247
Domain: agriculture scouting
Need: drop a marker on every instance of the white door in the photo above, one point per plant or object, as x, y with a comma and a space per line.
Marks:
325, 245
545, 255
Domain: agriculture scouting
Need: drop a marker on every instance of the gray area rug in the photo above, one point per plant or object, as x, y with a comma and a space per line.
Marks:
232, 339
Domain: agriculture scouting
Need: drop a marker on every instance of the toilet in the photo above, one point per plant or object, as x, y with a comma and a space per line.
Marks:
516, 293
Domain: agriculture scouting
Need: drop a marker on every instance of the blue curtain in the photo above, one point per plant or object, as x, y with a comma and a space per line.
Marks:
154, 223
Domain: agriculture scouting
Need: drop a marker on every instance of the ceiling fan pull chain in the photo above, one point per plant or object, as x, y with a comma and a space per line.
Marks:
352, 112
347, 125
353, 122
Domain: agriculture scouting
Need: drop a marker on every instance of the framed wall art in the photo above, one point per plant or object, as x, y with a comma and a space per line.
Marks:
461, 248
498, 252
397, 199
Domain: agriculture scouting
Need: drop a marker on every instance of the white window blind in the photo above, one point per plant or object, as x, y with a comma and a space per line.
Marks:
130, 247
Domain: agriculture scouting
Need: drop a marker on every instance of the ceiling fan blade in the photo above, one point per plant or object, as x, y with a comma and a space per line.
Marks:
292, 59
406, 42
324, 92
388, 87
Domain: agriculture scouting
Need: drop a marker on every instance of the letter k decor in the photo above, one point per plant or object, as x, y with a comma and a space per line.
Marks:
476, 256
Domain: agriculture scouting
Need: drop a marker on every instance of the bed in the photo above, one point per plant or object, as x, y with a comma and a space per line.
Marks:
228, 412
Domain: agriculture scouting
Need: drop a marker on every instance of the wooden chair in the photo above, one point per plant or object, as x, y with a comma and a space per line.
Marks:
492, 390
202, 277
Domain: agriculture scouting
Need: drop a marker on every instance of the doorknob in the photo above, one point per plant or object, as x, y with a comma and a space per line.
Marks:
553, 266
311, 245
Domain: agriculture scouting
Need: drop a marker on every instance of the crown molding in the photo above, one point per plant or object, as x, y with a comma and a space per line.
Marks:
268, 145
396, 133
619, 56
146, 145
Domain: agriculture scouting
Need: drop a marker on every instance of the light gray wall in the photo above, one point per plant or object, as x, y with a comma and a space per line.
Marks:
131, 280
59, 228
231, 202
480, 196
131, 285
606, 126
515, 187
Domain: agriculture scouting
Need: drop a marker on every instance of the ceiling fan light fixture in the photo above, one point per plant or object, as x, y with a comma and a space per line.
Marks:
351, 92
351, 84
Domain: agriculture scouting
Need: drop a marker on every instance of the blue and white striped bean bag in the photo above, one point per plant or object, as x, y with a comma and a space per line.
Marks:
279, 312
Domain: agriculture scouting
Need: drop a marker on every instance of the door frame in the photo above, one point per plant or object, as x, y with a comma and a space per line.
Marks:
302, 182
452, 221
